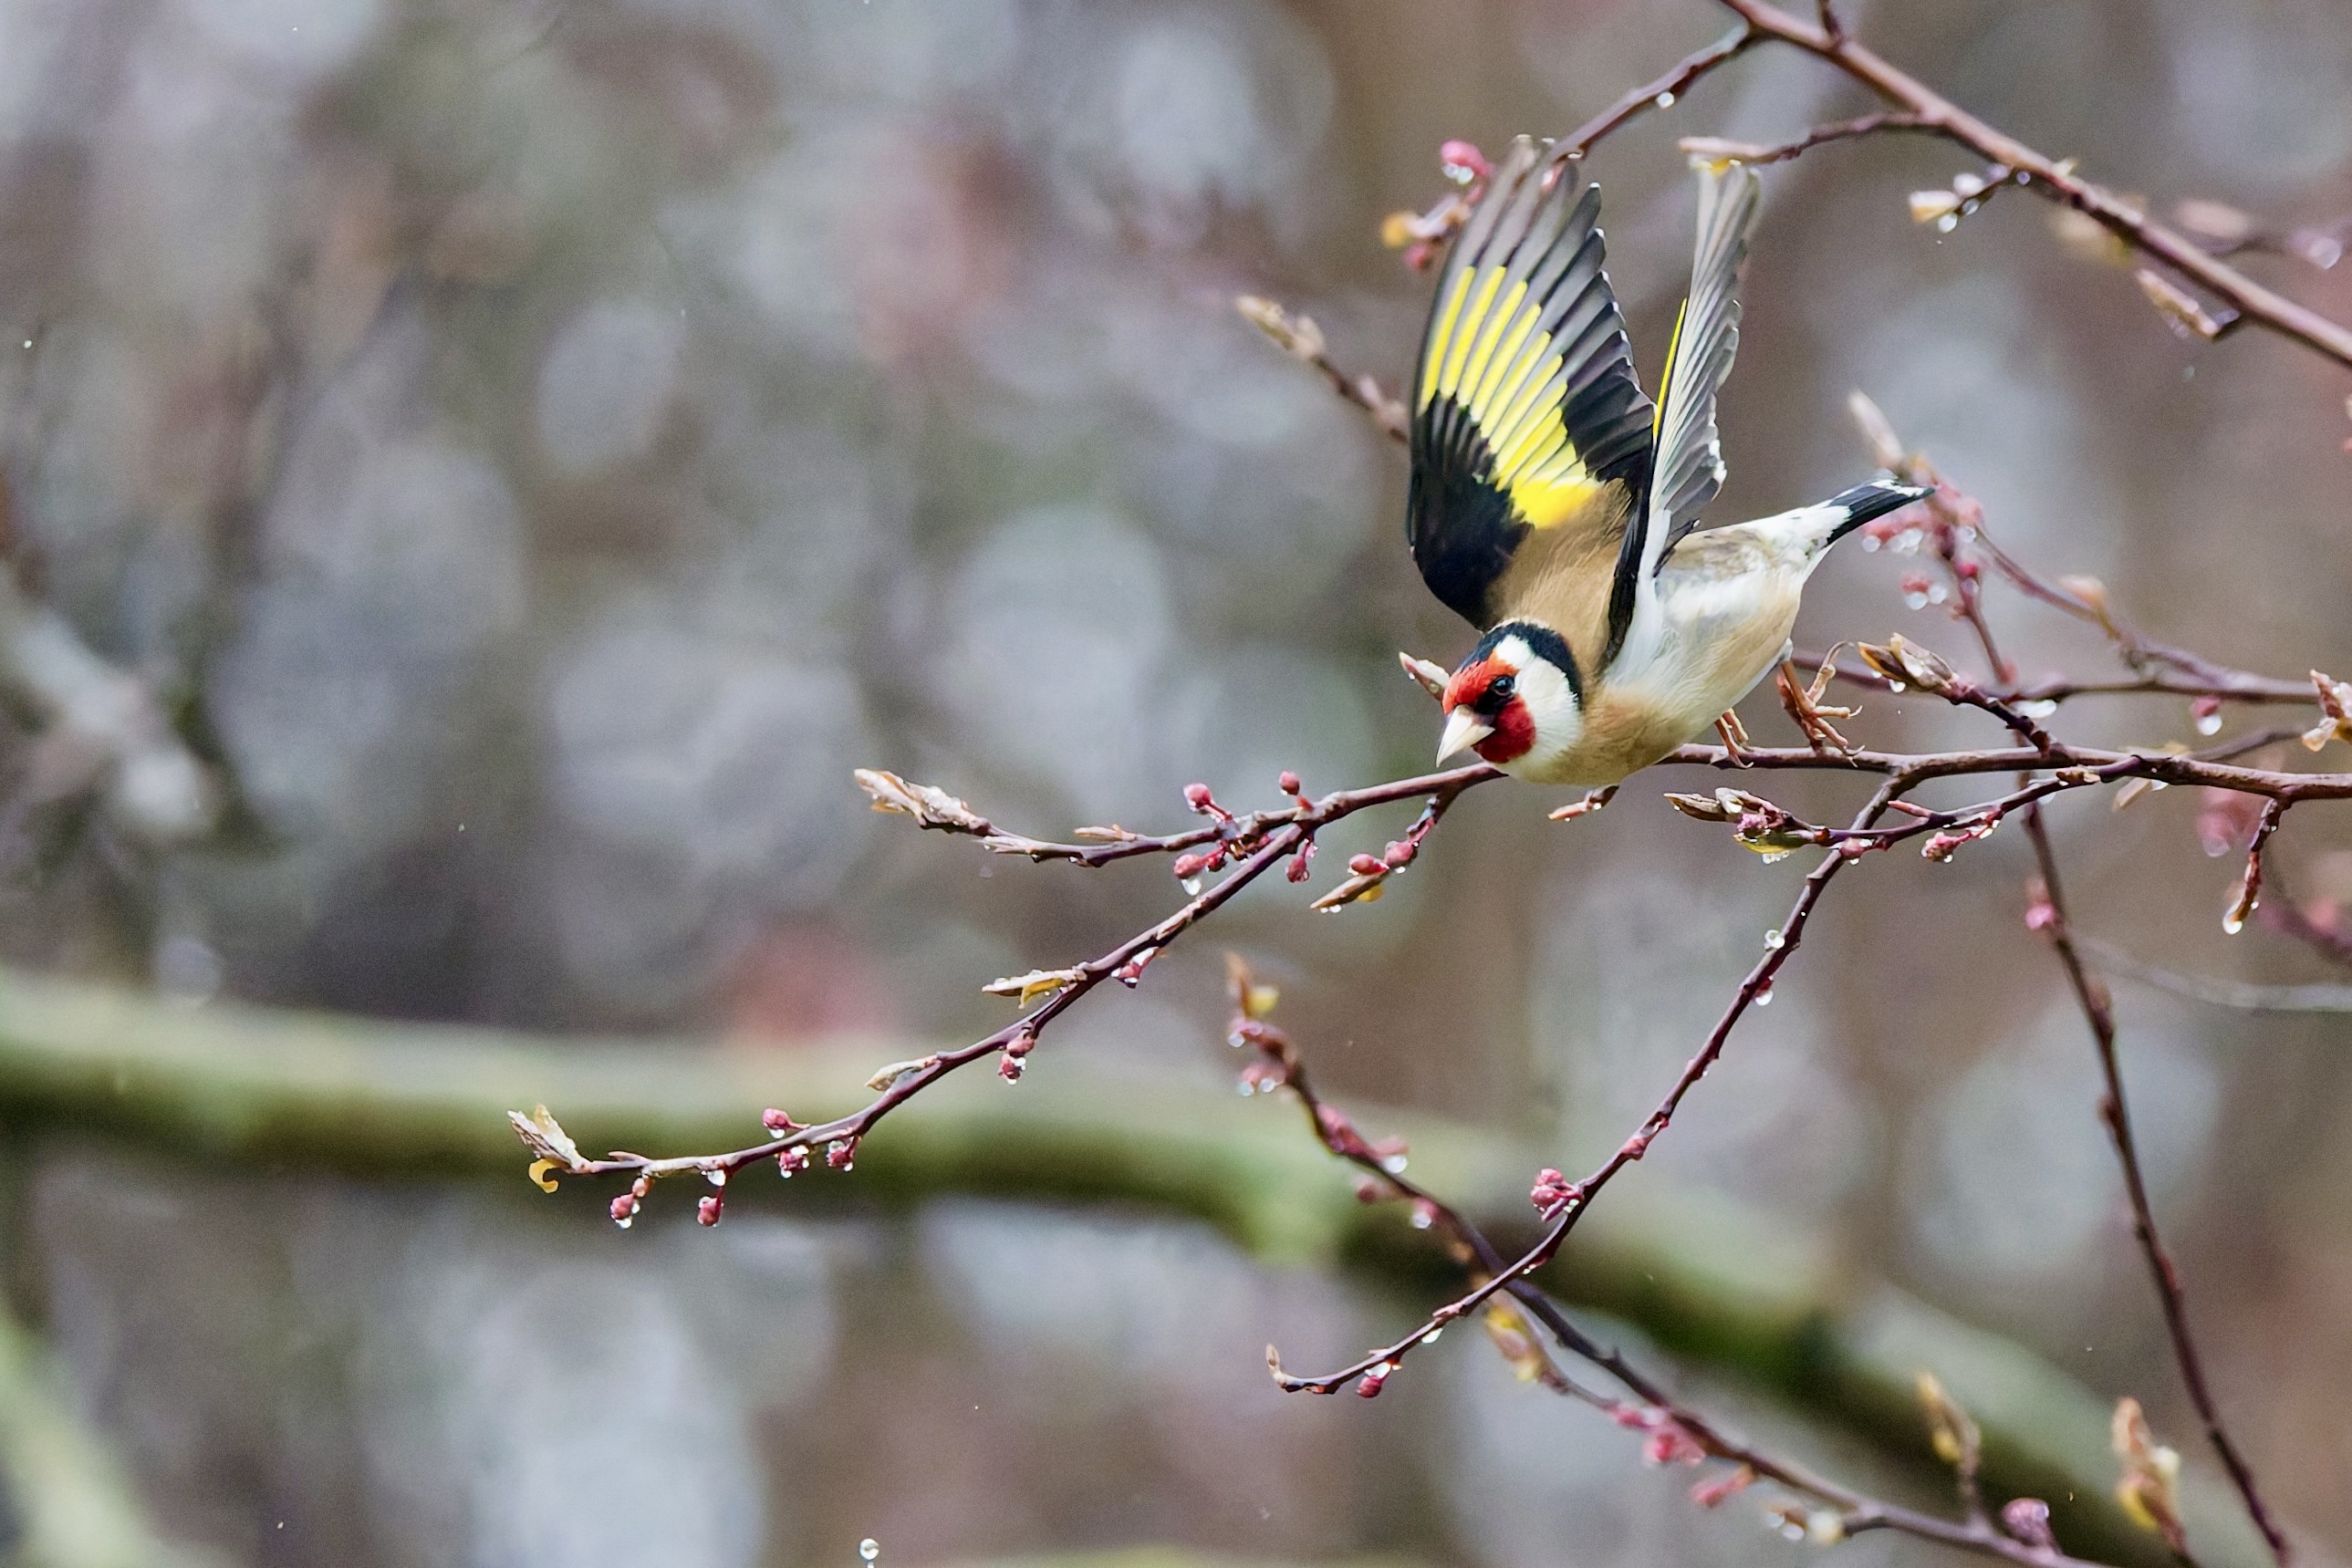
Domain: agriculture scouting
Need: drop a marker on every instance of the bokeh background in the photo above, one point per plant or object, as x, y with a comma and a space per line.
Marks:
524, 455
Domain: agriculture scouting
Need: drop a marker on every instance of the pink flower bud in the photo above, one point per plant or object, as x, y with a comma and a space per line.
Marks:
625, 1208
1197, 796
707, 1211
775, 1121
1367, 865
1369, 1385
2028, 1520
1010, 1067
1670, 1445
1463, 161
1187, 867
840, 1154
1289, 782
1398, 854
1551, 1190
795, 1158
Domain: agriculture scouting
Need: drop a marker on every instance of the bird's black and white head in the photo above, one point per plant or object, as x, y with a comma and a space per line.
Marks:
1517, 700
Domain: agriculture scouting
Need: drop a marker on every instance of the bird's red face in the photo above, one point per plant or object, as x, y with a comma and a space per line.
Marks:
1485, 711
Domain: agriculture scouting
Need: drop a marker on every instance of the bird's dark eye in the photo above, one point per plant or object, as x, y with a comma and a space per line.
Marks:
1498, 691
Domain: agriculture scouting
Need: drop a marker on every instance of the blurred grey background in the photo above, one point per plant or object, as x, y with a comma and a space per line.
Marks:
531, 452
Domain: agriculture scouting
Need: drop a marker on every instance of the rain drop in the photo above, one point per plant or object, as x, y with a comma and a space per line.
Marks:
1430, 1337
1774, 940
1914, 600
1665, 101
1895, 687
2232, 922
626, 1221
1191, 887
1764, 995
1395, 1164
1870, 544
2208, 724
2042, 709
1947, 223
717, 1176
869, 1549
1773, 857
1419, 1219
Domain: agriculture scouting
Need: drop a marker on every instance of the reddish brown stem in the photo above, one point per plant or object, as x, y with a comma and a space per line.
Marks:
2249, 301
2091, 996
1648, 96
1760, 980
1856, 1512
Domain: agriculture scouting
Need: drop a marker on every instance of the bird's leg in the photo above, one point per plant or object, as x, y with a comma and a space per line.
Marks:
1812, 715
1735, 738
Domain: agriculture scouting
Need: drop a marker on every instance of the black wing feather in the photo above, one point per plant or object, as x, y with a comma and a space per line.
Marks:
1524, 401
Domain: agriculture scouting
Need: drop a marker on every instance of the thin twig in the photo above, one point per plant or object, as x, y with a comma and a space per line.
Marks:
1713, 147
1299, 337
2244, 995
2054, 180
1855, 1512
2091, 996
2049, 915
1574, 1200
1659, 94
2288, 918
1290, 839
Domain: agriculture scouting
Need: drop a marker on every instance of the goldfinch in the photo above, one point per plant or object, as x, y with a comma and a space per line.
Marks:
1556, 509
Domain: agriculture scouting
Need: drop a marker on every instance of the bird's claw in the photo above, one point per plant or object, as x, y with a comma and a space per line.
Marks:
1804, 704
1734, 739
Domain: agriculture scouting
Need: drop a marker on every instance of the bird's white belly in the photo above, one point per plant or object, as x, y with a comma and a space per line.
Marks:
1715, 642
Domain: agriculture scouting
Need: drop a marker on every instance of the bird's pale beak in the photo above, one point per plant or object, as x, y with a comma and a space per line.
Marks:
1463, 729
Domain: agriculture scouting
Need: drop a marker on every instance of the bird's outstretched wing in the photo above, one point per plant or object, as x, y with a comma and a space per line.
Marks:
1687, 467
1527, 421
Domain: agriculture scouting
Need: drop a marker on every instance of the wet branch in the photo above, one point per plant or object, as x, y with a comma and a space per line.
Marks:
2047, 913
1924, 109
1676, 1431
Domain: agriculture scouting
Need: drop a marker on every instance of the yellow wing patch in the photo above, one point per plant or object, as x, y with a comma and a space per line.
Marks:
1489, 356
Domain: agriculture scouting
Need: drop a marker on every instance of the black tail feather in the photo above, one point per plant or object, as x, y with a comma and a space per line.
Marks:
1866, 503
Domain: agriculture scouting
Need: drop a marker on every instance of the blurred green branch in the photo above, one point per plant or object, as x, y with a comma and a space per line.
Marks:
1703, 1278
66, 1498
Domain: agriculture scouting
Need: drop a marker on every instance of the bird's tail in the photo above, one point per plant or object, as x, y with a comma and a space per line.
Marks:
1864, 503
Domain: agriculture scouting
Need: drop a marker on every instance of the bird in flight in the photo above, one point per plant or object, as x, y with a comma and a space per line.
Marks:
1555, 509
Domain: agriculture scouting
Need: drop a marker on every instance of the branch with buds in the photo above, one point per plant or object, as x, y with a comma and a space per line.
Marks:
1238, 849
1811, 1506
1950, 525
